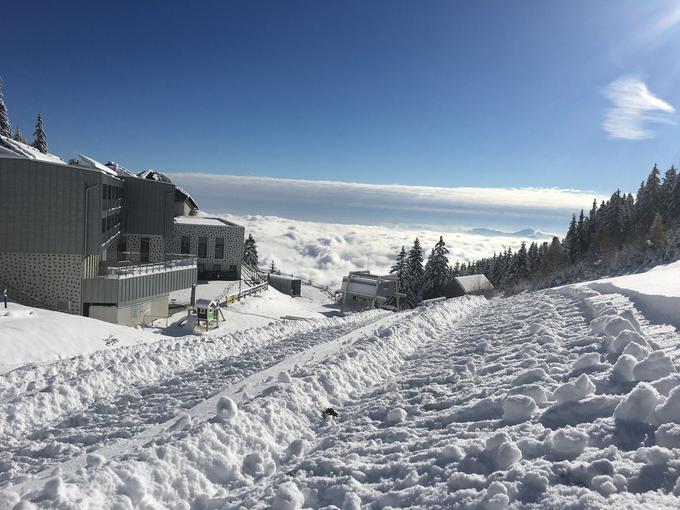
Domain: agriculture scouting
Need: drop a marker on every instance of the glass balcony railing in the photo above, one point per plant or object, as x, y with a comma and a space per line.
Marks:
125, 269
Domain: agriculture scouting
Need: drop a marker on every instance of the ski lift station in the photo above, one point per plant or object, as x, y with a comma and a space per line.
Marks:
363, 290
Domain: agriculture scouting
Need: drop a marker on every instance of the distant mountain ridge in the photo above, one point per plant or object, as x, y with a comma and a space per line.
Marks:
526, 233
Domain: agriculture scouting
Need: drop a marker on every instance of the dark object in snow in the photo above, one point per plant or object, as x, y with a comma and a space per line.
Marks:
330, 412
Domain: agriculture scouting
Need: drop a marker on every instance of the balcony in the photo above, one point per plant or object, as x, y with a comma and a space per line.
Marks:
126, 269
123, 282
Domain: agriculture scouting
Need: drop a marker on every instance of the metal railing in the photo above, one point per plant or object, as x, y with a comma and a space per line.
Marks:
263, 275
122, 270
226, 299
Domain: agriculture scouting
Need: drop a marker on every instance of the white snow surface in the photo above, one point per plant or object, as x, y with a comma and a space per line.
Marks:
10, 148
564, 398
33, 335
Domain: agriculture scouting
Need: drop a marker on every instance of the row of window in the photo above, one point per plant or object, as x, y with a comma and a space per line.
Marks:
216, 268
185, 247
144, 249
111, 221
111, 192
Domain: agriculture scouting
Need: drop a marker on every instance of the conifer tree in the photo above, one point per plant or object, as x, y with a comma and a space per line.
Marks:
414, 273
669, 180
570, 240
648, 204
437, 271
674, 203
399, 269
272, 267
19, 136
657, 233
40, 141
250, 256
5, 128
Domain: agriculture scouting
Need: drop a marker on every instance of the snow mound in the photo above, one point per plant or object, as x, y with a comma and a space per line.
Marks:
638, 404
518, 408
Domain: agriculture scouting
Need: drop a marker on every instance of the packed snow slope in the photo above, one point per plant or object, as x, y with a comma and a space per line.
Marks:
564, 398
34, 335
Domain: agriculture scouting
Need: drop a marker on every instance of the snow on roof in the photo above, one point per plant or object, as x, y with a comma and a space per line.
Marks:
155, 176
96, 164
120, 170
12, 149
203, 220
474, 283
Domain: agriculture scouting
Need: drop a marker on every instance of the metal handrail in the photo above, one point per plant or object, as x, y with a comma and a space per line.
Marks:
150, 268
323, 288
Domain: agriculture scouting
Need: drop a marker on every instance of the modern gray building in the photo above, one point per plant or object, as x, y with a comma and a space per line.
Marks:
216, 243
85, 239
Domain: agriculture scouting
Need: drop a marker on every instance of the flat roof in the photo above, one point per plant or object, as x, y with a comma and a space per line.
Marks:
203, 220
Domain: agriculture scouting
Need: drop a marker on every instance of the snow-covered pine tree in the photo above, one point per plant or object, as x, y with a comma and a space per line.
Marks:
437, 271
532, 257
669, 179
674, 204
399, 269
5, 128
648, 204
250, 256
19, 136
615, 219
40, 141
582, 236
570, 240
522, 262
414, 273
273, 268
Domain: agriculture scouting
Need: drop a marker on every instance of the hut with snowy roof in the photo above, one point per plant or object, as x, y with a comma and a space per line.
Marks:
473, 284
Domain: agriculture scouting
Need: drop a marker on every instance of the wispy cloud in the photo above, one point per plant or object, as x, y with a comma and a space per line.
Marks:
345, 202
634, 106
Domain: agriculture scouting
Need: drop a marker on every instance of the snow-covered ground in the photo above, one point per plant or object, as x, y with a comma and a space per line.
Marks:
34, 335
564, 398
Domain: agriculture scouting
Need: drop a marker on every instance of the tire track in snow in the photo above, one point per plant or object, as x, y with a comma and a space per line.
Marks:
143, 405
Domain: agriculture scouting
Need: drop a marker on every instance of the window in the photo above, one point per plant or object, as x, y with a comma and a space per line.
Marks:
105, 190
103, 225
219, 248
202, 247
144, 249
122, 248
185, 245
217, 268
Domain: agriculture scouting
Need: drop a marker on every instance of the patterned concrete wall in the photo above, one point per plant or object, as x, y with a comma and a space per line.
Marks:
233, 244
43, 280
156, 248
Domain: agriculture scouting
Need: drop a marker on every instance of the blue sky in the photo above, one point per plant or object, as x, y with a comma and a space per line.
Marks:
487, 93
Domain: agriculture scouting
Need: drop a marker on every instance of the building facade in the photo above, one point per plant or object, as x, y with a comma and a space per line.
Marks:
216, 243
85, 240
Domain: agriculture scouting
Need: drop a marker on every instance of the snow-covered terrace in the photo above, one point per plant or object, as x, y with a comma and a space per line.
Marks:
132, 270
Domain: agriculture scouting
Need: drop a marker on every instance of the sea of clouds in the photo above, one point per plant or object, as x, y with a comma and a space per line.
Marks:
325, 252
321, 230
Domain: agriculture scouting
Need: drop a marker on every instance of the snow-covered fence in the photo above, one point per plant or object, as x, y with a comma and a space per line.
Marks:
226, 299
